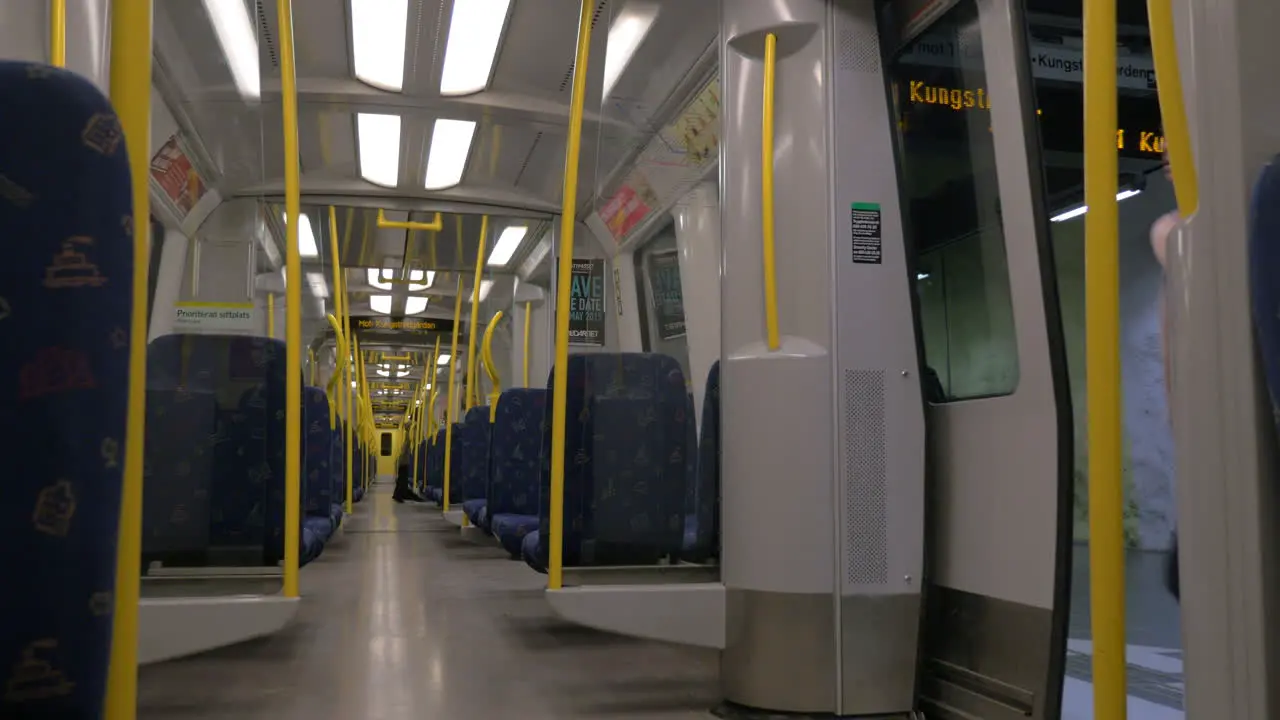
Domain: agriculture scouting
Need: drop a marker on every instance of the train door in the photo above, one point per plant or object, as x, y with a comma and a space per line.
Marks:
1000, 442
1055, 47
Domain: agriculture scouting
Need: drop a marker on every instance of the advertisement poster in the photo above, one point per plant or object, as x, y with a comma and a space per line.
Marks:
668, 297
172, 171
586, 303
629, 206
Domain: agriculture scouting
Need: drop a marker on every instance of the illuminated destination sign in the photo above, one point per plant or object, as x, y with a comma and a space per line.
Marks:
961, 99
383, 324
1048, 62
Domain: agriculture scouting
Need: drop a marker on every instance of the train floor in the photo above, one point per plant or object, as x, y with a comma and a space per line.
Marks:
403, 619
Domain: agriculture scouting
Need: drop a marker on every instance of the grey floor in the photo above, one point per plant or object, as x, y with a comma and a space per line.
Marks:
402, 619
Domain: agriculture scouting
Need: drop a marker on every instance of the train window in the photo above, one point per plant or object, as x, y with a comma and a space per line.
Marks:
386, 444
947, 165
661, 298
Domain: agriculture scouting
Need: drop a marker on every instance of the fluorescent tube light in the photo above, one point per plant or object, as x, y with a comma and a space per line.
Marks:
507, 243
420, 280
444, 359
625, 36
380, 278
306, 239
319, 287
414, 305
377, 42
485, 287
238, 37
475, 31
1079, 210
380, 304
379, 139
450, 146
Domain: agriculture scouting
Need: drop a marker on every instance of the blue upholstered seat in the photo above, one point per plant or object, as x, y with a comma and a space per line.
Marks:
514, 461
472, 509
317, 453
473, 450
702, 523
66, 211
627, 443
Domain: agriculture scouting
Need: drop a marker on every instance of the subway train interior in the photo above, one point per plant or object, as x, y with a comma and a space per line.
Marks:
650, 359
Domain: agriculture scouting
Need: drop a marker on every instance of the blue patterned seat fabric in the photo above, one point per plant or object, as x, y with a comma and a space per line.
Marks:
65, 299
511, 509
317, 453
338, 468
702, 525
474, 465
626, 469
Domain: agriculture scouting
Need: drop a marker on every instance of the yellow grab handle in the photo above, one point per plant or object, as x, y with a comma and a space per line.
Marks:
436, 224
1173, 110
766, 192
486, 353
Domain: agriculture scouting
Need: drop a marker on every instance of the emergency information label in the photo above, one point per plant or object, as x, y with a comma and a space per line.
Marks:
865, 233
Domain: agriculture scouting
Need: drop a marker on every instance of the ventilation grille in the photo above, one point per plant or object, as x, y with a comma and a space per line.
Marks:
268, 39
865, 501
859, 48
533, 147
595, 20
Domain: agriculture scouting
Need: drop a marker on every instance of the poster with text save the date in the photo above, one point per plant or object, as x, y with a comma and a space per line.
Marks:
586, 303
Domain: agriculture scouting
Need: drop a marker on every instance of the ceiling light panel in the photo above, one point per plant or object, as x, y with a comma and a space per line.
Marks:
379, 139
380, 304
625, 36
475, 32
239, 41
306, 238
450, 146
380, 279
507, 243
444, 359
414, 305
420, 280
377, 42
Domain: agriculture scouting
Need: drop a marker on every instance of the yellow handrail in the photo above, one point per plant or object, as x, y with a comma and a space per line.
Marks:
1173, 109
453, 372
472, 386
1102, 358
58, 33
436, 225
527, 321
431, 398
271, 315
766, 191
341, 342
346, 386
564, 276
131, 95
486, 351
292, 302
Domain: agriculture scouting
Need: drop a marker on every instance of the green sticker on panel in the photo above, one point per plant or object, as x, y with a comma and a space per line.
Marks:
864, 223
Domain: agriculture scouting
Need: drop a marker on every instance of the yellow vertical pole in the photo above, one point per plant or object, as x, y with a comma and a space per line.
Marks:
58, 33
472, 331
568, 215
346, 386
292, 302
1102, 359
271, 315
528, 319
449, 411
131, 95
486, 353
